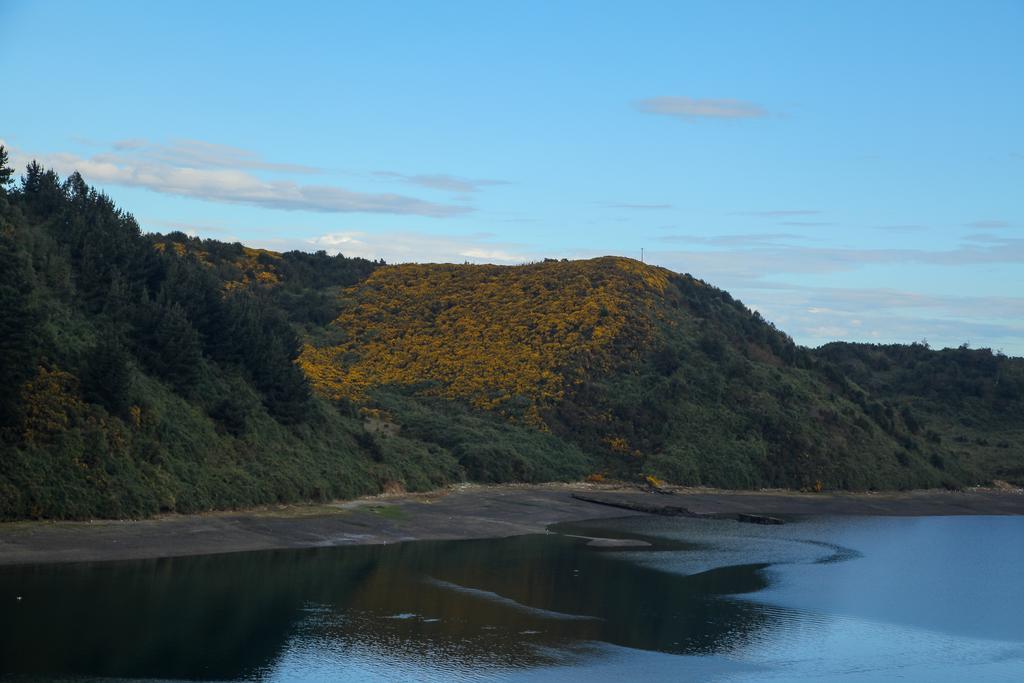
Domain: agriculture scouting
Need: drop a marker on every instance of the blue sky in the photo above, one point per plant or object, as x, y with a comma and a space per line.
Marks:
851, 170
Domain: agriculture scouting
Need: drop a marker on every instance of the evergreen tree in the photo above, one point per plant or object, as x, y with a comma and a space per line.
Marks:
168, 345
260, 339
20, 327
6, 172
107, 375
41, 191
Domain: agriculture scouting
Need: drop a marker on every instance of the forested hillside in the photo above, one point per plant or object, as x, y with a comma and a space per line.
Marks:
147, 373
967, 404
658, 373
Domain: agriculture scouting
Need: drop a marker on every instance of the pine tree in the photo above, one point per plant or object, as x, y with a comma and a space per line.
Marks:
20, 328
107, 375
261, 340
168, 345
6, 172
42, 191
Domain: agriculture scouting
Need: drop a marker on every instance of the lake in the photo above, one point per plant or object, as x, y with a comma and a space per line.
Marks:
836, 598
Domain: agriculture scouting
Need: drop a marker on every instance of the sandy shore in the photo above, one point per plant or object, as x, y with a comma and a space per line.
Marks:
459, 513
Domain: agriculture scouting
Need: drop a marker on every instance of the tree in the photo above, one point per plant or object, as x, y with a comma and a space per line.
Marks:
168, 345
5, 171
42, 191
261, 340
107, 375
20, 327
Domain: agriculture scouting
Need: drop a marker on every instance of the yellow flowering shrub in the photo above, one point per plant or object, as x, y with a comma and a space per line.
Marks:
617, 444
654, 482
50, 401
488, 334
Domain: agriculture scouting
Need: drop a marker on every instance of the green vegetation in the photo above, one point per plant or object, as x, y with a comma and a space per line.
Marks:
148, 373
965, 407
157, 373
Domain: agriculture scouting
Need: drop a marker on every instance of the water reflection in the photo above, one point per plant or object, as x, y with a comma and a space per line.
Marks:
850, 599
466, 606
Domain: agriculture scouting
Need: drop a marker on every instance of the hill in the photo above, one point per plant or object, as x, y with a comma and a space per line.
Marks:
661, 374
148, 373
511, 339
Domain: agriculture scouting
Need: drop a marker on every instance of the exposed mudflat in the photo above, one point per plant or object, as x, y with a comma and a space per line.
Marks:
459, 513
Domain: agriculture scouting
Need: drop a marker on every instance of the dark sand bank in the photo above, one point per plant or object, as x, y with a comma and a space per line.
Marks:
463, 512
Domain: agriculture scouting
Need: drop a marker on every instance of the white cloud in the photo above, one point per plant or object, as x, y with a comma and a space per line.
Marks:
225, 174
441, 181
406, 247
200, 154
690, 109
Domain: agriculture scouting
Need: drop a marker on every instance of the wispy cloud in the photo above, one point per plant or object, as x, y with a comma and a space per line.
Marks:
778, 213
816, 315
441, 181
638, 207
199, 154
133, 143
901, 228
751, 264
863, 303
690, 109
219, 173
987, 224
744, 240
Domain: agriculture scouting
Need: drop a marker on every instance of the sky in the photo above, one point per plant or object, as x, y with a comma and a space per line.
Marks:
851, 170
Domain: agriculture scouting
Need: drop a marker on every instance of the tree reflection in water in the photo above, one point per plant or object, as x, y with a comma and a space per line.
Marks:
473, 605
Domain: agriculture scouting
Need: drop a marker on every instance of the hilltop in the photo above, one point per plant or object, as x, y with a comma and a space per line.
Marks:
150, 373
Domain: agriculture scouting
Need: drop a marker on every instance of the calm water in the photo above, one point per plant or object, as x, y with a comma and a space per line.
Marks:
852, 599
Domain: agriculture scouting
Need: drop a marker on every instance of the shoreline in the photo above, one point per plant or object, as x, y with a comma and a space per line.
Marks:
461, 512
